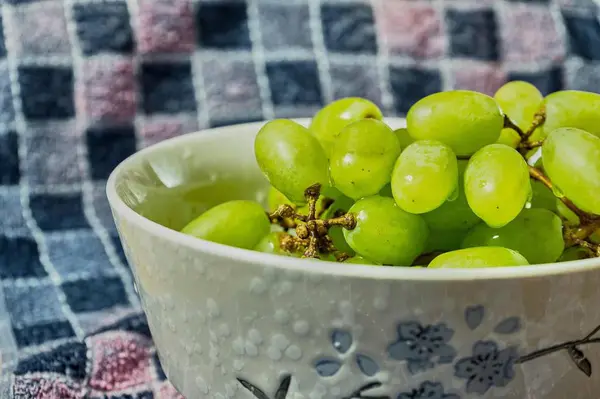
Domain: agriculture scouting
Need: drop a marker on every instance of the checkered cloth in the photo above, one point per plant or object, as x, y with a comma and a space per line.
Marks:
84, 83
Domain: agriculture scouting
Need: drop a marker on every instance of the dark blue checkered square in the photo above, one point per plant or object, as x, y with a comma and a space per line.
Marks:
33, 304
95, 294
77, 253
547, 81
358, 79
58, 211
167, 87
409, 85
9, 158
12, 210
7, 111
43, 332
223, 25
583, 32
349, 28
472, 34
46, 92
19, 257
107, 147
294, 83
103, 27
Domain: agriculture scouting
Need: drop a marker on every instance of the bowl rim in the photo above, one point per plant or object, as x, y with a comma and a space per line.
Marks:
239, 255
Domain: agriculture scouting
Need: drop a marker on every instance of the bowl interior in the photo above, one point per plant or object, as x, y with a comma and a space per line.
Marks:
172, 183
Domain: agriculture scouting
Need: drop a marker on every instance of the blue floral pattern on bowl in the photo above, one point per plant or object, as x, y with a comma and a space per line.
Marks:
421, 346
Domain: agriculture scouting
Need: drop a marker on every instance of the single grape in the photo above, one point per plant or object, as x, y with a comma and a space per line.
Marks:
509, 137
571, 108
595, 237
569, 217
478, 257
572, 161
573, 253
425, 176
362, 158
404, 137
542, 196
359, 260
534, 158
340, 205
291, 158
331, 119
453, 215
444, 240
519, 101
464, 120
535, 233
275, 199
237, 223
497, 184
385, 233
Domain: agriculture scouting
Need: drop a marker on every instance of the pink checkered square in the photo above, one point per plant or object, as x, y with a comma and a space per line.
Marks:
410, 28
108, 90
166, 26
529, 34
481, 77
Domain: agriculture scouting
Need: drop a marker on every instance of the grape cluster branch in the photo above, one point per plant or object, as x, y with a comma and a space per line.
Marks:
312, 233
589, 223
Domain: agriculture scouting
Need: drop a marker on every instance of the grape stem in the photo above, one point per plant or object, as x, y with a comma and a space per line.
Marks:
538, 120
312, 232
509, 124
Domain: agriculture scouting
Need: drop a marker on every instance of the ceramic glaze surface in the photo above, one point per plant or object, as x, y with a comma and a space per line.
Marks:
239, 327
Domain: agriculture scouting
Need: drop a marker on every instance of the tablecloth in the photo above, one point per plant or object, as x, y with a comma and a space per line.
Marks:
85, 83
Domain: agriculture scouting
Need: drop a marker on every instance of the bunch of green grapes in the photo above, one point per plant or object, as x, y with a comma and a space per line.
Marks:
471, 181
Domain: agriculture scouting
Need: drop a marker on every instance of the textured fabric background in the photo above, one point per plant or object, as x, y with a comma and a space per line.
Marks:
84, 83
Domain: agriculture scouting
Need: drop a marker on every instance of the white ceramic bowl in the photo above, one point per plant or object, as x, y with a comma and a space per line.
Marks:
231, 323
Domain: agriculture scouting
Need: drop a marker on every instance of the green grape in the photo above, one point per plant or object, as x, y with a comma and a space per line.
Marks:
497, 184
509, 137
271, 244
362, 158
291, 158
385, 233
573, 253
359, 260
464, 120
404, 137
444, 240
386, 191
453, 215
571, 108
570, 218
519, 101
478, 257
425, 176
331, 119
275, 199
542, 196
238, 223
572, 161
595, 237
342, 204
535, 233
